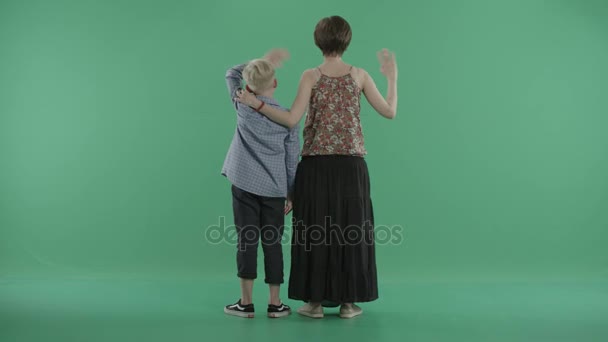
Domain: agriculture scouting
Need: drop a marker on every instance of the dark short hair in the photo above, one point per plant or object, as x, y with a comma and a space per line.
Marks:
332, 35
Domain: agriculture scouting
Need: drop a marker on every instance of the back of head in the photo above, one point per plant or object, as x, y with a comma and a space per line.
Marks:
332, 35
259, 75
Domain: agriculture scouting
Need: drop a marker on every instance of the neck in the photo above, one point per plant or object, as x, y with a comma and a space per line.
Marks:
332, 59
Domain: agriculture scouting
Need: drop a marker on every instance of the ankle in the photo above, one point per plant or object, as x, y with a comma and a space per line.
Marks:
274, 301
246, 301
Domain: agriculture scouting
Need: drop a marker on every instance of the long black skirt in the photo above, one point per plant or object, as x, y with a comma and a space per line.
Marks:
333, 253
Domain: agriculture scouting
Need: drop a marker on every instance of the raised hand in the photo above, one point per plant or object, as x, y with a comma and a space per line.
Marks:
388, 64
277, 56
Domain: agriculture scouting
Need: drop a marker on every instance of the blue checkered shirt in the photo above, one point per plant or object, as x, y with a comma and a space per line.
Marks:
263, 155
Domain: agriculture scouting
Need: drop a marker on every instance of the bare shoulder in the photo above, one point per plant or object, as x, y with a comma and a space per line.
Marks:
311, 71
360, 76
310, 76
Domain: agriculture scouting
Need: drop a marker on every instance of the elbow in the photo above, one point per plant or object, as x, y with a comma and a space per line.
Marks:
391, 114
231, 73
291, 123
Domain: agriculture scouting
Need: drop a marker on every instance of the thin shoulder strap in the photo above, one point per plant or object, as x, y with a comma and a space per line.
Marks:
319, 73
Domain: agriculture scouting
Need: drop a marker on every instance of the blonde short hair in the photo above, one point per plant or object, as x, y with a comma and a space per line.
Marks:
259, 74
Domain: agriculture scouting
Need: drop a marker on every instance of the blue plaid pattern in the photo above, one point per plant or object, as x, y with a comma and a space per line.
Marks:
263, 155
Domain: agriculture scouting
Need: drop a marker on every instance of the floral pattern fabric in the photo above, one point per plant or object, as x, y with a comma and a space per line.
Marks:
333, 125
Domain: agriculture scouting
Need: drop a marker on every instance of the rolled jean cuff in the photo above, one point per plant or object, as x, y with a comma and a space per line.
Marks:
247, 275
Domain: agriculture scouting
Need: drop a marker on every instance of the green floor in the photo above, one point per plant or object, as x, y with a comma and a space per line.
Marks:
190, 309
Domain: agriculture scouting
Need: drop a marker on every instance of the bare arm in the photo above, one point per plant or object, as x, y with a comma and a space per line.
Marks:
298, 108
387, 107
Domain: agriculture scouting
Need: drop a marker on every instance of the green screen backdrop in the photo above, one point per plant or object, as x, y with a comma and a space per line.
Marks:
115, 120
